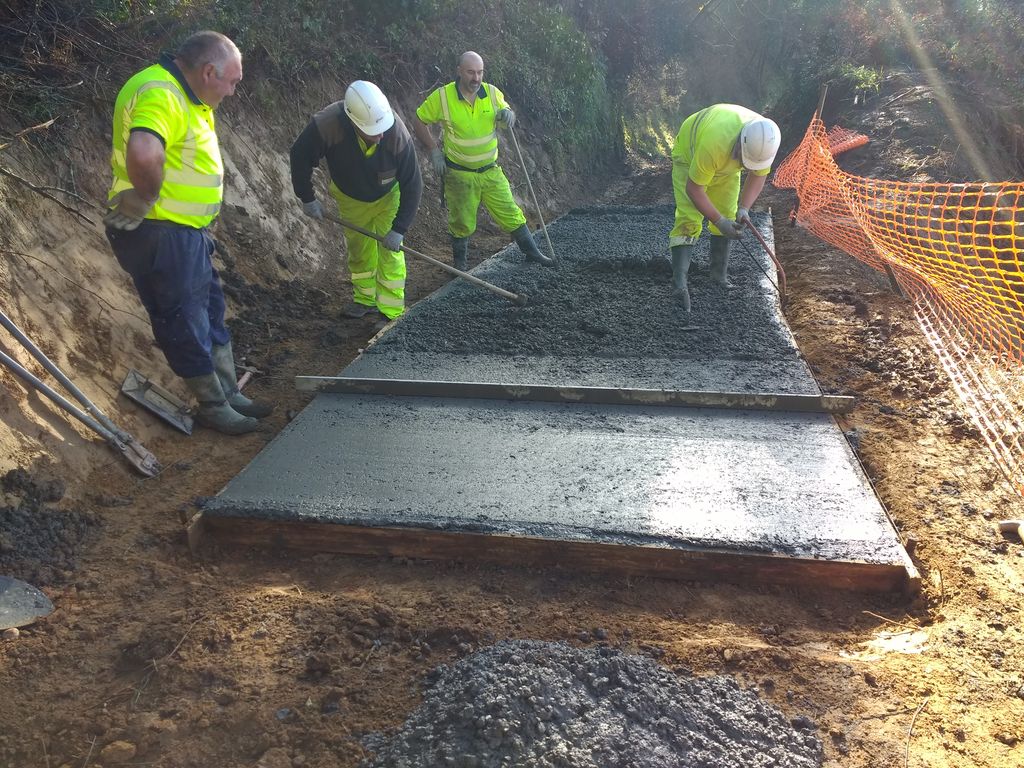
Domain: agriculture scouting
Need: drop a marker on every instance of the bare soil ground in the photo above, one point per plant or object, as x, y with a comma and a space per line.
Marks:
259, 658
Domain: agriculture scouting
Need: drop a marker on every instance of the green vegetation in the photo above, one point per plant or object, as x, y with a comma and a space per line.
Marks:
594, 77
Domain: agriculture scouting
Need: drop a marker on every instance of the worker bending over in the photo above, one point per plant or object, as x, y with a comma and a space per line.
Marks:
167, 189
713, 147
376, 182
469, 111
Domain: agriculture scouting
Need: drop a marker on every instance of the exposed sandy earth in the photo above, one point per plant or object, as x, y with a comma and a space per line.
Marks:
261, 658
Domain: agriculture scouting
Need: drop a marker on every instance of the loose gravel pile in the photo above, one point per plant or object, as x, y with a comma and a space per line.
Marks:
38, 543
549, 705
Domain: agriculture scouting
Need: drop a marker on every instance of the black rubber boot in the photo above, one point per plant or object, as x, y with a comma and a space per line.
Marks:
720, 260
460, 253
224, 365
681, 257
214, 411
524, 239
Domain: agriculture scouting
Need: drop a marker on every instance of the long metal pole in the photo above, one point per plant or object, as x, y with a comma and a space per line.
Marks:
518, 298
533, 197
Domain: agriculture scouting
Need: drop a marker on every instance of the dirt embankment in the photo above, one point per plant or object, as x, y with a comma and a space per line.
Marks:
260, 658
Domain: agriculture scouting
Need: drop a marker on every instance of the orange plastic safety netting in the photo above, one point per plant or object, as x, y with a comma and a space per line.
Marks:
956, 251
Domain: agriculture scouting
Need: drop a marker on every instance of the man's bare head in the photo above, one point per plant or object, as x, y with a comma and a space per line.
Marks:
470, 70
212, 64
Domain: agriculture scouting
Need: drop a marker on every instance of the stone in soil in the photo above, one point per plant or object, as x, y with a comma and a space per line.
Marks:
549, 705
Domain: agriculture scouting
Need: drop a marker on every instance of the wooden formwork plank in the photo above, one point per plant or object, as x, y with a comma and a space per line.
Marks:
504, 549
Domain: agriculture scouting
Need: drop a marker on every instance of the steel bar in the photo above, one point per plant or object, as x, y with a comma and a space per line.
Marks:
517, 298
763, 401
529, 186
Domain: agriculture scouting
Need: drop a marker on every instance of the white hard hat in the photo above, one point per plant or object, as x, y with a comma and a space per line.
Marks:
368, 108
759, 143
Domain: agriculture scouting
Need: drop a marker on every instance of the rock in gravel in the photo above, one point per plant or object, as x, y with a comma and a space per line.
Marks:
11, 634
275, 757
117, 752
546, 704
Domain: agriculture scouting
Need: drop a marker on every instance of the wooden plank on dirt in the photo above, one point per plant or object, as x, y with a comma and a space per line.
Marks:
664, 562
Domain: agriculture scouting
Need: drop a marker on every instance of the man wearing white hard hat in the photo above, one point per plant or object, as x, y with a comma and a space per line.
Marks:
713, 148
376, 182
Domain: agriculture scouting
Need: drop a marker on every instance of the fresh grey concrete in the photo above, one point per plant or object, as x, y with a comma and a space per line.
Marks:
549, 705
721, 480
691, 477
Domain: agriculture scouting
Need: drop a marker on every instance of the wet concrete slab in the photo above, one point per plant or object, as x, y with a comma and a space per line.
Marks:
739, 480
730, 486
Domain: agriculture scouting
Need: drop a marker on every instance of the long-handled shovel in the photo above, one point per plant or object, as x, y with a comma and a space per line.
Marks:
533, 197
122, 442
517, 298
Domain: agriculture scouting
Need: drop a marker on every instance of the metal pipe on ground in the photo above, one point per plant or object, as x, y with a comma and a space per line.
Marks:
132, 450
516, 298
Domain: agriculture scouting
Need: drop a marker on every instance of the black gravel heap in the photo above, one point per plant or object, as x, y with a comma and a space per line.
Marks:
39, 544
548, 705
609, 297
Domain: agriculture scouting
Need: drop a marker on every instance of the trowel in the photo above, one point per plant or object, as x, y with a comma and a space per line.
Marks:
21, 603
157, 400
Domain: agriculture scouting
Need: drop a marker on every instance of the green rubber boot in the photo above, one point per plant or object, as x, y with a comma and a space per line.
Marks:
720, 260
214, 411
224, 365
681, 257
524, 239
460, 252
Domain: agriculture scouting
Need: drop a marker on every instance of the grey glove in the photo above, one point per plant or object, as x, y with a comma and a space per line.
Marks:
313, 209
743, 217
128, 209
505, 118
393, 240
437, 161
729, 228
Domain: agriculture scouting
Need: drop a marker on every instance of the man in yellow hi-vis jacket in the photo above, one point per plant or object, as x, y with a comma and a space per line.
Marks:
713, 147
469, 111
167, 189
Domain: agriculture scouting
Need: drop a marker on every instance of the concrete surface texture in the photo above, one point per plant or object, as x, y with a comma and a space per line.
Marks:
748, 481
604, 317
549, 705
730, 481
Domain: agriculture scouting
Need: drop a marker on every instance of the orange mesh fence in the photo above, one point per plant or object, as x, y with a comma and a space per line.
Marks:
956, 250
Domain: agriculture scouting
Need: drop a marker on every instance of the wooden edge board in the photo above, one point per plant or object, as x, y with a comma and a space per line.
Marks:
766, 401
505, 549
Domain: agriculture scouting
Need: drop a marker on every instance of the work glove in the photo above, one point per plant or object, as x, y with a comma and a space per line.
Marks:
128, 209
729, 228
313, 209
505, 118
743, 217
393, 240
437, 161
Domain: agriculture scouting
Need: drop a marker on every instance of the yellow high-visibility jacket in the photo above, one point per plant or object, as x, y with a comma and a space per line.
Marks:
158, 100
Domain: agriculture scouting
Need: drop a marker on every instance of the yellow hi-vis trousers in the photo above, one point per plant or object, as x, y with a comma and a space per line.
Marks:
724, 193
378, 275
464, 191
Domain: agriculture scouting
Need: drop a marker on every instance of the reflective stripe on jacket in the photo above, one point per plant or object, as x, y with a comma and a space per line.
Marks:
154, 100
469, 134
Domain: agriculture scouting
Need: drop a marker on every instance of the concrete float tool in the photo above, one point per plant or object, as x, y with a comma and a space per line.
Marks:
529, 186
516, 298
122, 442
